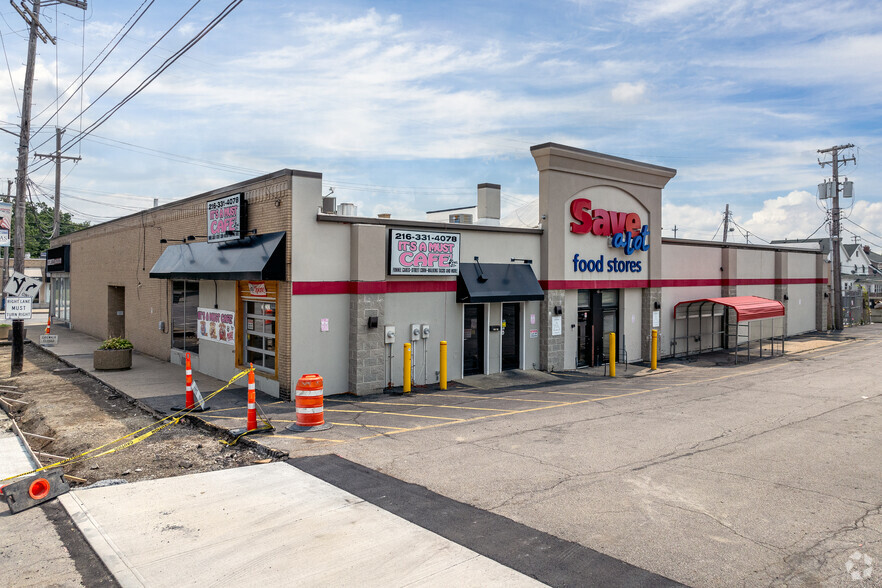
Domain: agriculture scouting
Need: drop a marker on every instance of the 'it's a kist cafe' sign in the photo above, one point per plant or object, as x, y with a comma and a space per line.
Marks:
625, 231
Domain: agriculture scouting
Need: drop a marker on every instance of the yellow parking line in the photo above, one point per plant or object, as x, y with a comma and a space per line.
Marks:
274, 420
431, 405
277, 436
496, 397
367, 426
491, 416
404, 414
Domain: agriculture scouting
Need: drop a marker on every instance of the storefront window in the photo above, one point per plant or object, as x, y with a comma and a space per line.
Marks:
185, 300
260, 334
60, 298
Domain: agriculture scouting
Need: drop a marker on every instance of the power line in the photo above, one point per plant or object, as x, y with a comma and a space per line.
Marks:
155, 74
83, 82
9, 69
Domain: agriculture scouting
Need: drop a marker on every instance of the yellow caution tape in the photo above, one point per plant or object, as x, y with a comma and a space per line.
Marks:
152, 428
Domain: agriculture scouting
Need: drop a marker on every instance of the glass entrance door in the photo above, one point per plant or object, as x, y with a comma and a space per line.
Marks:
511, 336
473, 340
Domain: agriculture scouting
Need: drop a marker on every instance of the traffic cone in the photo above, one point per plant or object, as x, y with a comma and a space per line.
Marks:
48, 325
190, 403
251, 421
252, 401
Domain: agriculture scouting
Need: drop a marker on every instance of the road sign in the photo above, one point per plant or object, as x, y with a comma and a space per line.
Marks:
48, 340
22, 285
18, 308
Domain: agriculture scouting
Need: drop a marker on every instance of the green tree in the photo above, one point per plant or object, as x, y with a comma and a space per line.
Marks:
39, 219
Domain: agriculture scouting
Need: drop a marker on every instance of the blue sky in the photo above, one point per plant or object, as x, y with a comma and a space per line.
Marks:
406, 106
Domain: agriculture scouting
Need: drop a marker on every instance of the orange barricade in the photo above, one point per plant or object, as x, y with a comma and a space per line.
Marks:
310, 404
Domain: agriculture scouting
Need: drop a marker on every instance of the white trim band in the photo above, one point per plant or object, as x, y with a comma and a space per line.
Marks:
318, 392
310, 410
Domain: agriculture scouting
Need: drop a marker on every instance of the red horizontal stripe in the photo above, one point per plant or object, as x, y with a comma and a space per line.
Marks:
392, 287
413, 286
684, 283
588, 284
301, 288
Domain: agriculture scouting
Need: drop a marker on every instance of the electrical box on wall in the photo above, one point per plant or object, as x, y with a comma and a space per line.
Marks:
425, 329
415, 331
390, 335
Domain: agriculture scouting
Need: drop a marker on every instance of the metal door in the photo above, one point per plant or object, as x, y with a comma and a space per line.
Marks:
511, 336
473, 340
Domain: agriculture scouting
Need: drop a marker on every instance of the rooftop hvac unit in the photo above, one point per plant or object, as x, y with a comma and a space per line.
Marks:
329, 205
847, 189
347, 209
461, 218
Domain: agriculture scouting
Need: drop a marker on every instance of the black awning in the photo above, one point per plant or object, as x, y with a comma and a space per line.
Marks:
257, 257
497, 282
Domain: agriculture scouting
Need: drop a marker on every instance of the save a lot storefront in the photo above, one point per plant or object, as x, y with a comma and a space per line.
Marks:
601, 249
296, 291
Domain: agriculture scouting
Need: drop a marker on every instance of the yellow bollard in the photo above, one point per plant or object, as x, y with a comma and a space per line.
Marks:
444, 365
653, 363
612, 355
406, 368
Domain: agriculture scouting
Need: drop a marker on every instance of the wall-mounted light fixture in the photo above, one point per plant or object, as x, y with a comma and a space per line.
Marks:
656, 305
173, 240
514, 259
372, 322
786, 297
558, 310
481, 277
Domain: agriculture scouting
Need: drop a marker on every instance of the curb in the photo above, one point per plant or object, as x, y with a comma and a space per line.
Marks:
158, 415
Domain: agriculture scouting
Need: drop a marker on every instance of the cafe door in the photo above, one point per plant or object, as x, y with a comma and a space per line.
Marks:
473, 340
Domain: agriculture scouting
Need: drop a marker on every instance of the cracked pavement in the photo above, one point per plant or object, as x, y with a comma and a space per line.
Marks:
764, 474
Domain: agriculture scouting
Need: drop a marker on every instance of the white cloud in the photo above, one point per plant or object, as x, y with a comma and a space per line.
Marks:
627, 92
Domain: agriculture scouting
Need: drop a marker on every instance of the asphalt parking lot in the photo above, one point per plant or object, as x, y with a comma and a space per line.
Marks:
764, 474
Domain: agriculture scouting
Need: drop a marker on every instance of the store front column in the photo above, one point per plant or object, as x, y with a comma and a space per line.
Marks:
367, 309
651, 314
551, 333
781, 288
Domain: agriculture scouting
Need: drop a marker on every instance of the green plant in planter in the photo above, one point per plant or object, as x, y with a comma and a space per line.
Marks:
5, 326
117, 343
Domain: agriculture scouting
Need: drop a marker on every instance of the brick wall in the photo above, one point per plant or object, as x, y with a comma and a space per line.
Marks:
122, 252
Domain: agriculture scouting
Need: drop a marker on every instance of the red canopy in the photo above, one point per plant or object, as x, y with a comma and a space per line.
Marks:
747, 308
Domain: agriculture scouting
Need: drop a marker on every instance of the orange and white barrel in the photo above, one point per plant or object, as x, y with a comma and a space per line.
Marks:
309, 401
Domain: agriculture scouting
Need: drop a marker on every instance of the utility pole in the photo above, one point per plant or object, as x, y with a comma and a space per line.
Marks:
22, 174
32, 18
5, 250
835, 239
746, 236
56, 227
726, 225
675, 231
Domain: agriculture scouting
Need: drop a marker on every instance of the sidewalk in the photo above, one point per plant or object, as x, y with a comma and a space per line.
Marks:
157, 385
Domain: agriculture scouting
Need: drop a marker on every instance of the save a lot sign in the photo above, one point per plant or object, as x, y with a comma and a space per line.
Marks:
624, 231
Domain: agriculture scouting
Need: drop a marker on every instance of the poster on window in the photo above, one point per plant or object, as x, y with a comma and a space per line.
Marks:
216, 325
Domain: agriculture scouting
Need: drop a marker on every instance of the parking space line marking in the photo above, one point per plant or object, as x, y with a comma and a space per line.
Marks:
331, 422
497, 397
309, 438
404, 414
367, 426
433, 406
